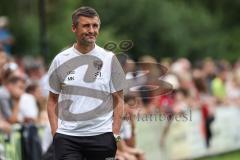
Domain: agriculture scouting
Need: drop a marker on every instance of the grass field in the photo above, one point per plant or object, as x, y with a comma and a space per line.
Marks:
228, 156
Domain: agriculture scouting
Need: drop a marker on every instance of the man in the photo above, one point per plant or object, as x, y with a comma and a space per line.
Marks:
86, 86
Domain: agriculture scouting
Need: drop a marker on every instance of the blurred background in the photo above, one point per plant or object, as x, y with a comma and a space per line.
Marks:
197, 42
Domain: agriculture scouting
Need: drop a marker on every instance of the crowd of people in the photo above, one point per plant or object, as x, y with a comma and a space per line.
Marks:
202, 85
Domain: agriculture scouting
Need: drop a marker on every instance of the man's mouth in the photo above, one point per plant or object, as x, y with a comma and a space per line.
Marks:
91, 36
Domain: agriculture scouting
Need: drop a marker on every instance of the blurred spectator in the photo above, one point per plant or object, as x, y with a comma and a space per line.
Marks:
147, 100
128, 125
35, 90
233, 89
126, 147
149, 65
10, 93
166, 62
28, 108
6, 39
218, 84
15, 104
130, 69
3, 61
181, 103
208, 68
34, 68
36, 72
182, 68
165, 102
4, 125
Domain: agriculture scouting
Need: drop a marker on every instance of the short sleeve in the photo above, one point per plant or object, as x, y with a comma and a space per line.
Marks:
117, 82
53, 81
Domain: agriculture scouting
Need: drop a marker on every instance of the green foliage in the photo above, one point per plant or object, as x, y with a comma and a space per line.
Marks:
228, 156
162, 28
23, 24
172, 28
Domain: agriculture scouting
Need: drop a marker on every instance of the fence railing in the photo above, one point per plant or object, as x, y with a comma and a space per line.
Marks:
10, 144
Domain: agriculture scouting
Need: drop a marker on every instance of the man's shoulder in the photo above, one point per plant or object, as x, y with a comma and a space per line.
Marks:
104, 51
63, 53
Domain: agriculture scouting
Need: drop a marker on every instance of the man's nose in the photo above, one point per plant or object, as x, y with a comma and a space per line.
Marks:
91, 29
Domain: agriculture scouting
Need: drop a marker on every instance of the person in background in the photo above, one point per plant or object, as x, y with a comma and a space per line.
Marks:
16, 105
10, 93
34, 68
208, 69
3, 61
233, 89
6, 39
126, 148
34, 89
4, 125
218, 85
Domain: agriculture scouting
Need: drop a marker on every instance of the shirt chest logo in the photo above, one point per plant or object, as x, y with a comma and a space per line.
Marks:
98, 65
70, 75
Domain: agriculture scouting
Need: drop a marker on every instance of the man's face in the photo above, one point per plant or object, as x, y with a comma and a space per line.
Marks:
87, 29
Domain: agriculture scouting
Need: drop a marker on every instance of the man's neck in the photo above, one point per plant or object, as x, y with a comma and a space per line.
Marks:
84, 48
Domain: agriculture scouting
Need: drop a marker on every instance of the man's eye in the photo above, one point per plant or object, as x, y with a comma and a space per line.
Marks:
86, 25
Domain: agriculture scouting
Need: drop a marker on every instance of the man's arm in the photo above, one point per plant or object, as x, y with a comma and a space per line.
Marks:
118, 109
52, 111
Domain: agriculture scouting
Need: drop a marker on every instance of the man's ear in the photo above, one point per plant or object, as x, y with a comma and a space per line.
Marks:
74, 28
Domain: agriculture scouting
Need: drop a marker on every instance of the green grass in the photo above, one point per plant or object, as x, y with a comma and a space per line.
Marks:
229, 156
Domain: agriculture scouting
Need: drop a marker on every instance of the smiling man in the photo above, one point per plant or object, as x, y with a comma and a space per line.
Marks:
86, 86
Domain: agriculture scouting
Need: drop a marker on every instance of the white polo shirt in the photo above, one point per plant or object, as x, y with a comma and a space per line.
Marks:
89, 90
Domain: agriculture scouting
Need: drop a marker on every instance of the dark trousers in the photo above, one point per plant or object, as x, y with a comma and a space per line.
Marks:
100, 147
